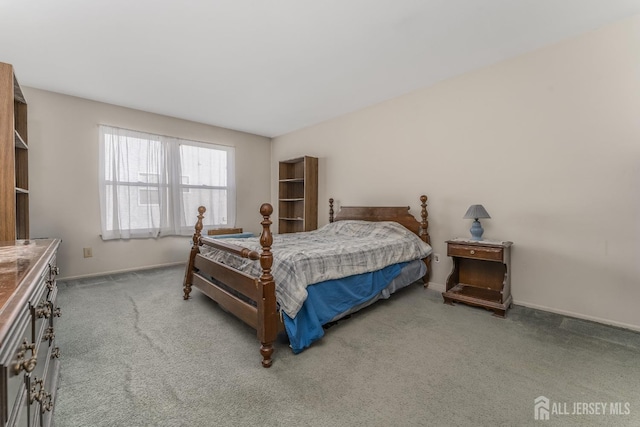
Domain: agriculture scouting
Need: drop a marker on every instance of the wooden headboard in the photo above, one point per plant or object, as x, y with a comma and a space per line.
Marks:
399, 214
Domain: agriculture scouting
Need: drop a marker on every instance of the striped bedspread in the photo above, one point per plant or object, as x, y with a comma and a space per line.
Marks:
337, 250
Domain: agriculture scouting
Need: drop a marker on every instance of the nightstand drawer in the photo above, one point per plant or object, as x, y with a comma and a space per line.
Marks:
476, 252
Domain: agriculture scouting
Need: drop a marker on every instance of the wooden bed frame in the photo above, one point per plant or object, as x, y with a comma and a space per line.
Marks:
263, 316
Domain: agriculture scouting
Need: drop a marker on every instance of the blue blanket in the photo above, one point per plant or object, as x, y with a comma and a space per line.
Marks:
327, 299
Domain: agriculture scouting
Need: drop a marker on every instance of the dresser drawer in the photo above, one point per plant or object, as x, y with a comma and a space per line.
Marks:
489, 253
18, 357
20, 414
53, 268
51, 385
41, 382
41, 315
43, 350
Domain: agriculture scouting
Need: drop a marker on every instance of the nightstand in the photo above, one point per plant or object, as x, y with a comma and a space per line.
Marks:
481, 274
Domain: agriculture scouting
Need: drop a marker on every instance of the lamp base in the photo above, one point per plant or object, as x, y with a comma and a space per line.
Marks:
476, 230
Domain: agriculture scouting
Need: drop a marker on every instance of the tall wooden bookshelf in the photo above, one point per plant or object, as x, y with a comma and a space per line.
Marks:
14, 157
298, 195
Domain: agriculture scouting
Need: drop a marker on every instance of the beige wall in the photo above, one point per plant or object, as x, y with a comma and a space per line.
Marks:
548, 142
63, 173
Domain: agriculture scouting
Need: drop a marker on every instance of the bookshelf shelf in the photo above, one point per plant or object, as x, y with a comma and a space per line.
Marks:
298, 195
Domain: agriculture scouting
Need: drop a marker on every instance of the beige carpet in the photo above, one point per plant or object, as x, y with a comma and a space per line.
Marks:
135, 354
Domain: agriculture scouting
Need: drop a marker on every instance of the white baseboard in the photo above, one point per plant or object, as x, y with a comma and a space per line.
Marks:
441, 288
126, 270
436, 287
578, 315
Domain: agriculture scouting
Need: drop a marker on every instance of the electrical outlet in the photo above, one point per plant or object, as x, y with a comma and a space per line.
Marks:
436, 257
88, 253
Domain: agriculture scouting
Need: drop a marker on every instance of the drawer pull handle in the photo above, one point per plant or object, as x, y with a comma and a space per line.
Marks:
472, 252
55, 270
26, 365
36, 395
43, 310
49, 335
46, 403
55, 353
57, 312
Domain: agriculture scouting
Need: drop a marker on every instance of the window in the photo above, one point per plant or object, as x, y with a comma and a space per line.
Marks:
145, 195
152, 185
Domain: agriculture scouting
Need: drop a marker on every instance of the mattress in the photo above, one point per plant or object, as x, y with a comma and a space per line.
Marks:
334, 299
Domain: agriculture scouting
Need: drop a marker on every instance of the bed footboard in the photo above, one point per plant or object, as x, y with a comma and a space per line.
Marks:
238, 287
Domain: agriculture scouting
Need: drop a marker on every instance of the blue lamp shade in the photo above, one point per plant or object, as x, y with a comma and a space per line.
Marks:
475, 212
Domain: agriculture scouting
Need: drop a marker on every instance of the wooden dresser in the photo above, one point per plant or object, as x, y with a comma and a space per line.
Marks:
29, 363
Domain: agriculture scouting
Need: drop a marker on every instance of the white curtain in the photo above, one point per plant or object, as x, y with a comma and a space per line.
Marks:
152, 185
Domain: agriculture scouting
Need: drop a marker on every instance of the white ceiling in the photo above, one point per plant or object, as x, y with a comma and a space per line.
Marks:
273, 66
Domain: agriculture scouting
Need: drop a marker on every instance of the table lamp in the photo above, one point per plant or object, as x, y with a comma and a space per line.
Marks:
475, 212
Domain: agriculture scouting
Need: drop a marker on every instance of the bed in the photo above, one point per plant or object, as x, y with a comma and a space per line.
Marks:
316, 278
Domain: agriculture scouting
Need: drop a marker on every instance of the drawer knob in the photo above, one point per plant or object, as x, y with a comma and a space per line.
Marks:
472, 252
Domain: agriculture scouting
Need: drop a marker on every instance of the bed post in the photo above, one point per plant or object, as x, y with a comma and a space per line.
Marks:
267, 308
195, 249
424, 235
424, 224
331, 210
